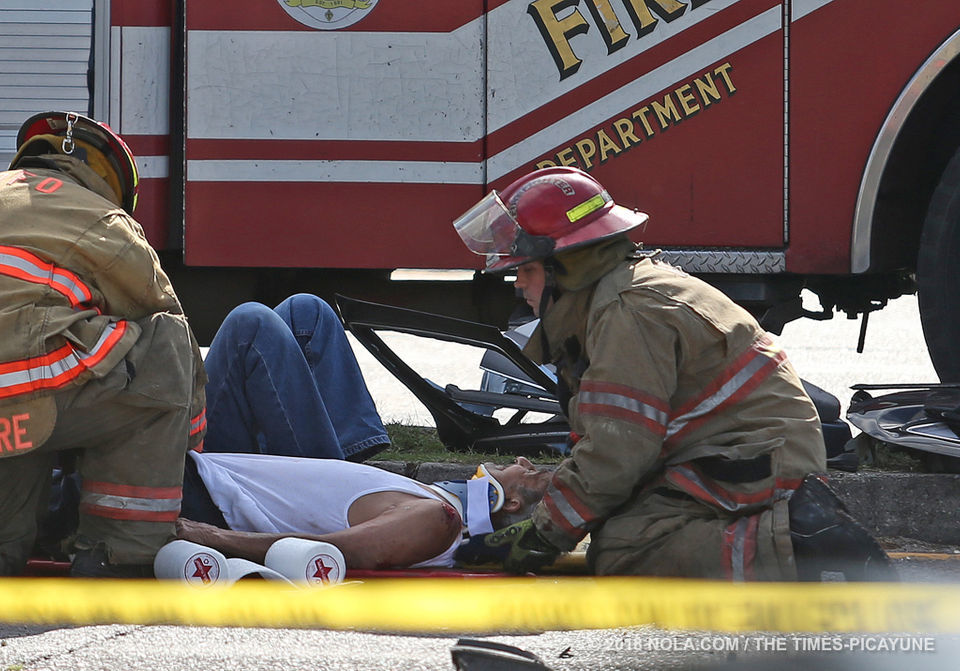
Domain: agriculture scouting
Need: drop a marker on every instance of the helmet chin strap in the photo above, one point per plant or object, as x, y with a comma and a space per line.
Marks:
548, 294
475, 499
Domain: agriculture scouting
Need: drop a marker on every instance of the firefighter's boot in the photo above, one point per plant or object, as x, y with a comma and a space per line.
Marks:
92, 562
826, 539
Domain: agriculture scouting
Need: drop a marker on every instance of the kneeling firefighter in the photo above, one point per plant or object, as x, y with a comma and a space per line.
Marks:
97, 359
696, 443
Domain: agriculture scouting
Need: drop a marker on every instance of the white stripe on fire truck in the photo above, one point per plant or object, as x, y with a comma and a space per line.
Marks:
801, 8
409, 172
153, 167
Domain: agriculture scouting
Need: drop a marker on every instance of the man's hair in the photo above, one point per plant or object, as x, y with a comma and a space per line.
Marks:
529, 499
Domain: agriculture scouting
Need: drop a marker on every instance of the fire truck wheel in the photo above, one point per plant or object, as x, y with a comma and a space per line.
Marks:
938, 278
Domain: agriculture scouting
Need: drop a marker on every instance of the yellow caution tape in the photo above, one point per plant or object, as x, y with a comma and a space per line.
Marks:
493, 605
923, 556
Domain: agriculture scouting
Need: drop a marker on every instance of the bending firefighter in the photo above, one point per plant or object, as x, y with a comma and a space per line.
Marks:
97, 357
695, 439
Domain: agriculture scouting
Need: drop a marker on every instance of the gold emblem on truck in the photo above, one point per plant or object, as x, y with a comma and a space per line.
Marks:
327, 14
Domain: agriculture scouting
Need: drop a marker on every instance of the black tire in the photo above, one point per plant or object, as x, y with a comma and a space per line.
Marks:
938, 274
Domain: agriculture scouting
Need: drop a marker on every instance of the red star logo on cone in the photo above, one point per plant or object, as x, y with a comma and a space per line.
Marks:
203, 570
322, 570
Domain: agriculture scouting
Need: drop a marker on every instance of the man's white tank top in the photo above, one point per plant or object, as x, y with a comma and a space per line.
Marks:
279, 494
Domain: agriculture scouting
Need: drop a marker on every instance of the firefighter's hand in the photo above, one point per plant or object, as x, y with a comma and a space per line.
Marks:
522, 547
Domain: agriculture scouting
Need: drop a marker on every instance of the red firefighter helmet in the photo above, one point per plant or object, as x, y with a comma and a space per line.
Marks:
91, 141
544, 212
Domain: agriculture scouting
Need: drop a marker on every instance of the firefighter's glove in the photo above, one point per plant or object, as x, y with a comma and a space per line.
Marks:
522, 548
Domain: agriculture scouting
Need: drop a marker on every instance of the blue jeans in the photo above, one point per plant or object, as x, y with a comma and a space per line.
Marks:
285, 381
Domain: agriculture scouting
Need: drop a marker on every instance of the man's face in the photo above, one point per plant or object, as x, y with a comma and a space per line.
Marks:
531, 279
521, 473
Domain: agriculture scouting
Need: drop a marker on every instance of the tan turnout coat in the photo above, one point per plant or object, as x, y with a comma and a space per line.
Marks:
96, 355
693, 430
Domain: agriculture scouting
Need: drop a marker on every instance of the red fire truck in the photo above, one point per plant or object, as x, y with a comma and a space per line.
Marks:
320, 144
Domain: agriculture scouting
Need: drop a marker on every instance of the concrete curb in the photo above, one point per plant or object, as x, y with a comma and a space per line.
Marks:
919, 506
427, 471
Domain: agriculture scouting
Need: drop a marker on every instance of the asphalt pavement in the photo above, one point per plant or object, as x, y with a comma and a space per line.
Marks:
130, 648
822, 352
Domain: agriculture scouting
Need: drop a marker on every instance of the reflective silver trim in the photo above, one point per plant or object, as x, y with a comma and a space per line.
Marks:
622, 402
737, 558
880, 153
740, 262
727, 390
716, 498
130, 502
569, 513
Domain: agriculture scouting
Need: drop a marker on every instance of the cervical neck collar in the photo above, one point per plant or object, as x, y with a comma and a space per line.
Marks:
475, 499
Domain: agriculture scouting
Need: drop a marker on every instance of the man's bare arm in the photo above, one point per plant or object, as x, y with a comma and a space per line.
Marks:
401, 536
246, 544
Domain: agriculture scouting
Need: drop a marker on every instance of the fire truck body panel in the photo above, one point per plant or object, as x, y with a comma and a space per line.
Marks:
374, 117
660, 137
776, 144
137, 92
345, 159
841, 92
530, 95
930, 75
466, 100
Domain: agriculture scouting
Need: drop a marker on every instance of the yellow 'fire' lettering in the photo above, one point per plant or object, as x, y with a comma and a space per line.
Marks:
557, 32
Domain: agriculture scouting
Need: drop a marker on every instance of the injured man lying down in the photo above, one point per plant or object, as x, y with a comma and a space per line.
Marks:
240, 504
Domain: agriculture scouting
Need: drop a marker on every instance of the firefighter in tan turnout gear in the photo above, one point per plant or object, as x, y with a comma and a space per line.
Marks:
96, 356
695, 439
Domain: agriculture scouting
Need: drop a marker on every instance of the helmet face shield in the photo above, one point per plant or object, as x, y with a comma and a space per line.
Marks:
490, 230
487, 228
